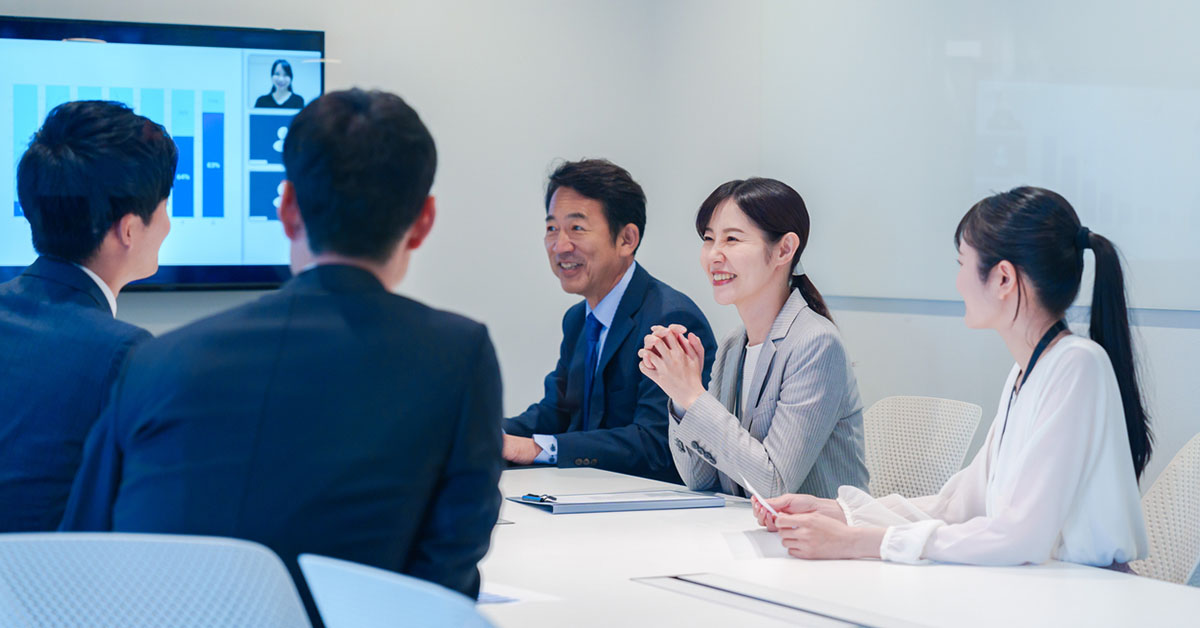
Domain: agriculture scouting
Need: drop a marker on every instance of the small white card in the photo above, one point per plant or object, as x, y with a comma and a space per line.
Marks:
758, 496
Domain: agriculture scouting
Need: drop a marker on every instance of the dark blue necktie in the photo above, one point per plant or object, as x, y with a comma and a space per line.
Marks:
592, 328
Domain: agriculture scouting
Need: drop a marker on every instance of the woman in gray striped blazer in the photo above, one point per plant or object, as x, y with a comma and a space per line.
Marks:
782, 412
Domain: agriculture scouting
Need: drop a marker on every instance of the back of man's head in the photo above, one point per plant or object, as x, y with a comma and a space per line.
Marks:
90, 164
622, 198
362, 164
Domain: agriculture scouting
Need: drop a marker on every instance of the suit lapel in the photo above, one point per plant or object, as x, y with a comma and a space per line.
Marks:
729, 376
766, 359
622, 325
575, 381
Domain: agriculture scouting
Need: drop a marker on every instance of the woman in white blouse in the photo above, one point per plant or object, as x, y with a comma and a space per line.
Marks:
1057, 476
782, 412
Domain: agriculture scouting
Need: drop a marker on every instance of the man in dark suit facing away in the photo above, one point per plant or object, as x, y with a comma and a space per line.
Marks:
598, 409
332, 416
93, 185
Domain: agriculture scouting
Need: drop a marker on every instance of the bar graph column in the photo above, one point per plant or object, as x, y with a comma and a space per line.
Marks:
25, 123
183, 129
89, 93
212, 106
121, 94
152, 105
56, 95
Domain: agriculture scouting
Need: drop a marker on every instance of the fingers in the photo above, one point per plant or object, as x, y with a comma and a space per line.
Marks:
763, 516
793, 503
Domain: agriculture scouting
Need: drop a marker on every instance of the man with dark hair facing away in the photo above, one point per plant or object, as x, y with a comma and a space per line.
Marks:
598, 409
93, 185
333, 416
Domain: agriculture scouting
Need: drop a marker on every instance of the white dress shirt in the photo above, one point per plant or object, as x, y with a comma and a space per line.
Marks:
1059, 484
108, 293
605, 310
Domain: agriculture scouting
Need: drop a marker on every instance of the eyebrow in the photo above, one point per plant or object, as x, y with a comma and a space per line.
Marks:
578, 215
729, 230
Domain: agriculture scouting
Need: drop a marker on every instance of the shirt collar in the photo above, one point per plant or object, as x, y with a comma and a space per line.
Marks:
606, 309
108, 293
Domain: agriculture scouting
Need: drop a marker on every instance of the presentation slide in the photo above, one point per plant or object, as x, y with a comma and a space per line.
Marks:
222, 106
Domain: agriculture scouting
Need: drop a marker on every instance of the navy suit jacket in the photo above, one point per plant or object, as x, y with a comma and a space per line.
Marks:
60, 350
330, 417
629, 411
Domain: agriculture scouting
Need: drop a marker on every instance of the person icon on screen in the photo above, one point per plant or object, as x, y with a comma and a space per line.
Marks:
282, 96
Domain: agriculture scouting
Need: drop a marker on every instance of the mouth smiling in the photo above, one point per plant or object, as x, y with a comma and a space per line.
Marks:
720, 279
568, 267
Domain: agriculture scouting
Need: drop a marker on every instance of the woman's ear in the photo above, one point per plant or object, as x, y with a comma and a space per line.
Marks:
785, 251
1002, 280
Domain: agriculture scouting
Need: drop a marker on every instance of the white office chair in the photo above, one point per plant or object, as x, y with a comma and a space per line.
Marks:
350, 595
114, 580
1172, 508
914, 444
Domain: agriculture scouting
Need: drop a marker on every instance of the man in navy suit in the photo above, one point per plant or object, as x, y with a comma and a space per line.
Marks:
93, 185
333, 416
599, 410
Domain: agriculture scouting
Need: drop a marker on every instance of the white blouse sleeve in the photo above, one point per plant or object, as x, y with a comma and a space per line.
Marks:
1035, 503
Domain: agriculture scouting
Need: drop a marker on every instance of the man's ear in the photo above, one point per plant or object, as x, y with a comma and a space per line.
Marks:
123, 229
628, 239
289, 213
422, 226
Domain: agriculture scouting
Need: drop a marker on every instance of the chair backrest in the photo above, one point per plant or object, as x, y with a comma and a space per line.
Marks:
350, 595
1172, 508
914, 444
133, 580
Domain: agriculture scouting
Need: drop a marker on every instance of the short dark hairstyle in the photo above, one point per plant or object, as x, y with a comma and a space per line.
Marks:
362, 164
287, 67
90, 164
620, 196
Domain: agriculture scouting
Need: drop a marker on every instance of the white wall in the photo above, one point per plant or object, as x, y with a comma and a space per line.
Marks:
673, 90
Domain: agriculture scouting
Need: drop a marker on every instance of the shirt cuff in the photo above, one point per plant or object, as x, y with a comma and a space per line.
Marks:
549, 445
673, 412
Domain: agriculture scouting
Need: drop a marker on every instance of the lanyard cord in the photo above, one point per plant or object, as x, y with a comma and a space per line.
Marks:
1047, 338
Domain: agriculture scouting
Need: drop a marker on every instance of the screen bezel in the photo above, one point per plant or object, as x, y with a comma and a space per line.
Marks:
184, 277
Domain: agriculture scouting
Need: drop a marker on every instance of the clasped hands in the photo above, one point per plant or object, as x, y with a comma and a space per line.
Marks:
673, 358
815, 528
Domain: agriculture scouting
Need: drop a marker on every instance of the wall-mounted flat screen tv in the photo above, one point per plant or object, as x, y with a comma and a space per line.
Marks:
226, 96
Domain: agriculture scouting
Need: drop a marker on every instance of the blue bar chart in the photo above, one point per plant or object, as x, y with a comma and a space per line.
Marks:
212, 104
183, 125
196, 120
25, 124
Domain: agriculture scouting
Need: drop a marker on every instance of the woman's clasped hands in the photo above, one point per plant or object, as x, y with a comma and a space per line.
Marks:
673, 358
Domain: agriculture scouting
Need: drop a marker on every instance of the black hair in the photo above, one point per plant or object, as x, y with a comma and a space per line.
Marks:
90, 164
775, 208
287, 67
1039, 233
620, 196
362, 165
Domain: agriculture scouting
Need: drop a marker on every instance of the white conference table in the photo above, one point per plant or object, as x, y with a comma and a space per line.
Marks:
586, 565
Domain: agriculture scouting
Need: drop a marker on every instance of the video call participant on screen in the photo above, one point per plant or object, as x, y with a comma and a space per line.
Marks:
331, 416
599, 410
281, 95
1057, 476
783, 409
93, 185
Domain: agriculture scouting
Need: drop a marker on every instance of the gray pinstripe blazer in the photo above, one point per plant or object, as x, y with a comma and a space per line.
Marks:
802, 428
